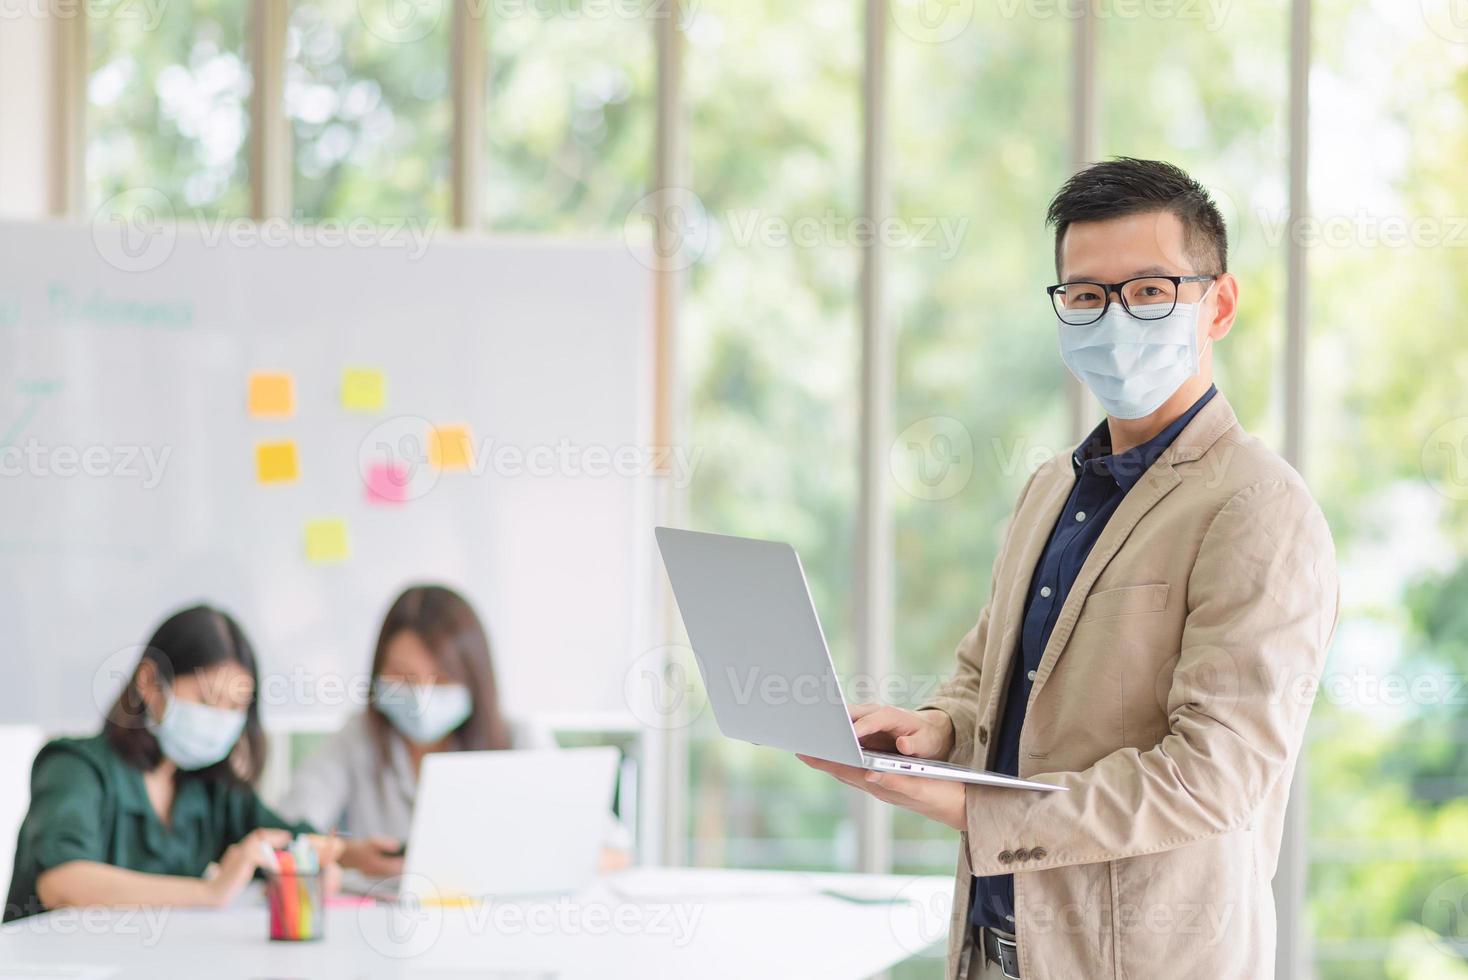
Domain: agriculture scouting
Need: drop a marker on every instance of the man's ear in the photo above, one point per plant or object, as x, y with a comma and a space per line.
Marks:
1225, 306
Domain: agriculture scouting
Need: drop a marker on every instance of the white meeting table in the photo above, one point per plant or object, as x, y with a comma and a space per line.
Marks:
639, 923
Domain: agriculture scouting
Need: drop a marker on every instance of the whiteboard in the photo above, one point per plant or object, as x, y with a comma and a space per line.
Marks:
129, 482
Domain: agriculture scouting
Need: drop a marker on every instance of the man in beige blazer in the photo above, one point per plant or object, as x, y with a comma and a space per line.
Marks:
1157, 623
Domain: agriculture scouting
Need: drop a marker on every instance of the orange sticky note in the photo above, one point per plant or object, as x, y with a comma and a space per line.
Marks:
272, 395
450, 447
362, 389
326, 540
275, 462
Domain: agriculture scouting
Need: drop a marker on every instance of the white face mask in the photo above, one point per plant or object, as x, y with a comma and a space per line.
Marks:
1132, 366
194, 735
423, 713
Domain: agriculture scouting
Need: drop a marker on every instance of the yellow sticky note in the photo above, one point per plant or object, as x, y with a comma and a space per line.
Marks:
362, 390
275, 462
326, 540
450, 447
272, 395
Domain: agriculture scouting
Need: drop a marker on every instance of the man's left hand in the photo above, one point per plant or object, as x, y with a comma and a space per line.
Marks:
937, 799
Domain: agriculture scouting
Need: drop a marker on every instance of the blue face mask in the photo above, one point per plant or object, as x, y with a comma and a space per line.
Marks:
1132, 366
423, 713
194, 735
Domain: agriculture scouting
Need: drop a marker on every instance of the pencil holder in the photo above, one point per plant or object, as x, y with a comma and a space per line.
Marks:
297, 906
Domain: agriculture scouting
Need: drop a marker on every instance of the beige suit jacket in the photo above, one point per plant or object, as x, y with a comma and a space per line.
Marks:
1171, 700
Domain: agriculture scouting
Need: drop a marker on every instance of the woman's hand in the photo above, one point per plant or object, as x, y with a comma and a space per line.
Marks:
239, 863
926, 734
376, 857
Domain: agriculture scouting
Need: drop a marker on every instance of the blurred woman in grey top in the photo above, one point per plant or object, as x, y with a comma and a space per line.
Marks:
433, 690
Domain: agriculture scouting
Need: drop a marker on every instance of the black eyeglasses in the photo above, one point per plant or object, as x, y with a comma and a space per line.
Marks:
1145, 298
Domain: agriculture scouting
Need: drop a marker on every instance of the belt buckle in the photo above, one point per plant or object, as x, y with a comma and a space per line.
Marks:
1008, 958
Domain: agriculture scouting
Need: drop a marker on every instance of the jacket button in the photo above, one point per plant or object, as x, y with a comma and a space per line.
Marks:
1037, 852
983, 735
1022, 855
1006, 857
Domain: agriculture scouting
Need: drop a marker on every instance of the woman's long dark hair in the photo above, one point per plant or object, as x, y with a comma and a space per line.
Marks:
447, 625
188, 642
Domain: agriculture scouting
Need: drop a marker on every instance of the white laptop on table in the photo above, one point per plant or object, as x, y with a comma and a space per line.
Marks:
505, 824
763, 656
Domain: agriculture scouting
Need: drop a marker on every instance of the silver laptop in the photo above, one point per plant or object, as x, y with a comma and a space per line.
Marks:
506, 824
764, 659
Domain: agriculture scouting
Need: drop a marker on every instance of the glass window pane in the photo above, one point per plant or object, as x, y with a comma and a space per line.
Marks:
569, 150
978, 146
167, 105
770, 346
1387, 453
1204, 86
367, 94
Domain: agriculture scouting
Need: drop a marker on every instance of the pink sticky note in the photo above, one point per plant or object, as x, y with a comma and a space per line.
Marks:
387, 483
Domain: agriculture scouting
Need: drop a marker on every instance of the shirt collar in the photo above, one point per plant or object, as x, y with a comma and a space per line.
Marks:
1094, 453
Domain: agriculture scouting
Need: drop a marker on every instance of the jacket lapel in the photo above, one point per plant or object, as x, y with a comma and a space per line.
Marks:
1211, 422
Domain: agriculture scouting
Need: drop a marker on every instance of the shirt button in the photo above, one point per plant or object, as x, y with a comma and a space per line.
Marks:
1010, 918
1045, 592
1080, 515
1032, 675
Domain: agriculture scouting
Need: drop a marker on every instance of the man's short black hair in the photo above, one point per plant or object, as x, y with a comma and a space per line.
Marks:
1125, 186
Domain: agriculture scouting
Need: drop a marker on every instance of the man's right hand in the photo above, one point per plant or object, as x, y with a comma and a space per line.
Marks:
926, 734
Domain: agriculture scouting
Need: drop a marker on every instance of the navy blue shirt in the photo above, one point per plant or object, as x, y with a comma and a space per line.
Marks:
1102, 480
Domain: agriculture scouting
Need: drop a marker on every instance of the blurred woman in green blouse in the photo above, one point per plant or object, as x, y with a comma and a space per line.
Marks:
137, 814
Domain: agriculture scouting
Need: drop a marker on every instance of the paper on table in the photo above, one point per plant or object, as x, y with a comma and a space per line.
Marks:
272, 395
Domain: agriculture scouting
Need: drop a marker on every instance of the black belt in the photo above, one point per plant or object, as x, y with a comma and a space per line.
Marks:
1003, 949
